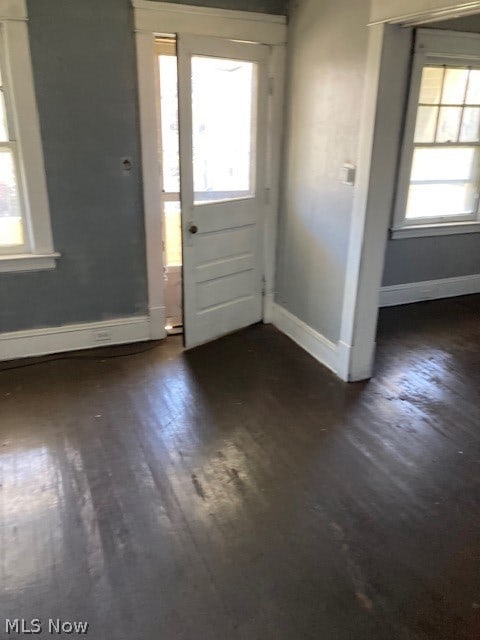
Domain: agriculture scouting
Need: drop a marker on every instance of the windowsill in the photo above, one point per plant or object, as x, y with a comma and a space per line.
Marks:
28, 262
426, 230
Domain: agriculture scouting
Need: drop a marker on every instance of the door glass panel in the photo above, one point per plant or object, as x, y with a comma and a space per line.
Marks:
224, 128
11, 226
169, 120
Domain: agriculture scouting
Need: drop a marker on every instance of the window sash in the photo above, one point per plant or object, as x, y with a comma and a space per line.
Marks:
400, 221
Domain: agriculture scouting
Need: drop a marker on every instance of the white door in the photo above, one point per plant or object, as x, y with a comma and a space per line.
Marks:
223, 122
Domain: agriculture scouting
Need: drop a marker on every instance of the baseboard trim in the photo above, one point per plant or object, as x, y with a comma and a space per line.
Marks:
429, 290
333, 356
268, 308
38, 342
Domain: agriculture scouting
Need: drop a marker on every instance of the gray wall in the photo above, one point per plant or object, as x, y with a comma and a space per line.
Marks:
84, 67
469, 23
261, 6
328, 44
419, 259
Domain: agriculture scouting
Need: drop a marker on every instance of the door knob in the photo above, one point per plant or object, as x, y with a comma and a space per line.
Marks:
193, 228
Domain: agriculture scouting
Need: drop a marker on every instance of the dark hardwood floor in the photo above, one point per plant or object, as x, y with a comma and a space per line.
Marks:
240, 491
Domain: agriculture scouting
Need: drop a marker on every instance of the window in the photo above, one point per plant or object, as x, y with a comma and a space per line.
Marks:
439, 181
25, 232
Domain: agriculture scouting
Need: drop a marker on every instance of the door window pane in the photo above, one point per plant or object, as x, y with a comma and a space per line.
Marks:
11, 226
224, 132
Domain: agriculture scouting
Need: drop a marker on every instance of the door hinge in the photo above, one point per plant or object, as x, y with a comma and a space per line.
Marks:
271, 86
267, 195
264, 286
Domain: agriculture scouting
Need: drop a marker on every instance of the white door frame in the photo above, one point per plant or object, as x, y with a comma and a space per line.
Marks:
372, 200
161, 18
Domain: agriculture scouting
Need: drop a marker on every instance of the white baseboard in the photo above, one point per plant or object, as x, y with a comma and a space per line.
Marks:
268, 305
333, 356
38, 342
429, 290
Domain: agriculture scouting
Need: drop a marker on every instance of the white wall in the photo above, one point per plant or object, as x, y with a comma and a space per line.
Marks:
327, 57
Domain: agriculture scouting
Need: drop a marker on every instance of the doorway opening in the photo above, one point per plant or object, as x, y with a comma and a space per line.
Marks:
212, 121
169, 161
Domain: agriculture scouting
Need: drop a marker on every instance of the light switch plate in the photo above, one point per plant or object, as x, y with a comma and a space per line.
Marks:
348, 174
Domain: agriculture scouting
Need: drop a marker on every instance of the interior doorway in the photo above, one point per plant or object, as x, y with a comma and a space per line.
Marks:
169, 161
212, 124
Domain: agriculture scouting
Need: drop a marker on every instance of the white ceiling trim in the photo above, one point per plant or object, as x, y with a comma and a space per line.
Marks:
13, 10
416, 12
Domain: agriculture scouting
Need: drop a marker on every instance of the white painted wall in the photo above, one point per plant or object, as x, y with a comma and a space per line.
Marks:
326, 75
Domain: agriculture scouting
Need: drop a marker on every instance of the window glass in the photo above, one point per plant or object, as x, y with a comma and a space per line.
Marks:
173, 234
443, 182
11, 226
432, 83
11, 223
426, 126
223, 105
473, 93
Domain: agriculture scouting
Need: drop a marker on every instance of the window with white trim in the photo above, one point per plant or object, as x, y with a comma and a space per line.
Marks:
26, 241
439, 179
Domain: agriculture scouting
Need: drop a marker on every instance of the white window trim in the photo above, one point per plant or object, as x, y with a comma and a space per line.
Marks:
38, 252
431, 47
